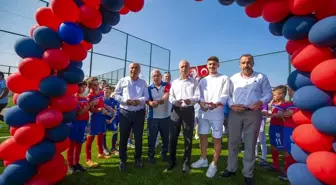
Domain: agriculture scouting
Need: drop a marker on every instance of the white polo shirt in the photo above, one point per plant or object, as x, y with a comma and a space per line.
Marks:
161, 111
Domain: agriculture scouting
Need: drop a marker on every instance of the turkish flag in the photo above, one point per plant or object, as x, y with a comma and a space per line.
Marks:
202, 71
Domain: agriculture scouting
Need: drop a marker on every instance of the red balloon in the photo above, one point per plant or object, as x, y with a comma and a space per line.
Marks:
6, 163
27, 68
323, 75
71, 89
49, 167
65, 10
19, 84
29, 134
75, 52
45, 17
66, 103
334, 99
304, 7
49, 118
275, 11
92, 3
134, 5
323, 166
15, 97
327, 9
302, 117
90, 17
293, 45
62, 145
32, 29
56, 59
59, 173
124, 10
305, 59
309, 139
255, 10
10, 150
36, 180
12, 130
87, 45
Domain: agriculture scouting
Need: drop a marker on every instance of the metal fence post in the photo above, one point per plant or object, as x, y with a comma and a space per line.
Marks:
126, 55
150, 62
169, 62
91, 58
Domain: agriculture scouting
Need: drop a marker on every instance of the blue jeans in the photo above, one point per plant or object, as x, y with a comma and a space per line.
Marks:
156, 125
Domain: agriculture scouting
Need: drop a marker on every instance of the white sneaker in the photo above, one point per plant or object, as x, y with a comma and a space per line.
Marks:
201, 163
211, 171
196, 136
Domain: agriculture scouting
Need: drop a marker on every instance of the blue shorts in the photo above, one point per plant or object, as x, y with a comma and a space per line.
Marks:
97, 124
276, 136
77, 131
288, 141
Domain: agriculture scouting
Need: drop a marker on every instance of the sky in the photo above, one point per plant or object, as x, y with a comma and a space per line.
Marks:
190, 30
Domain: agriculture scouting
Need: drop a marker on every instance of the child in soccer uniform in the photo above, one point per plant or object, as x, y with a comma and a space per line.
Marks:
77, 130
262, 138
97, 123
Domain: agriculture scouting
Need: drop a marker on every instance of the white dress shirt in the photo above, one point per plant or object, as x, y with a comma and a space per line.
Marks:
128, 89
214, 89
247, 91
182, 89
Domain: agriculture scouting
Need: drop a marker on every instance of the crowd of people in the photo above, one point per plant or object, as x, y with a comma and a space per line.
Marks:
216, 104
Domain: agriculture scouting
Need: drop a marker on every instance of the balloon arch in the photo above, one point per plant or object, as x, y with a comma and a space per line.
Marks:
50, 70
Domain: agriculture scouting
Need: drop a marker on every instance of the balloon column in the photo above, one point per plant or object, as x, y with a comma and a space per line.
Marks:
46, 82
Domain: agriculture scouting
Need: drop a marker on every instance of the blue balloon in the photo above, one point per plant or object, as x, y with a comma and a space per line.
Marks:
33, 101
26, 47
298, 154
310, 98
298, 27
78, 64
226, 2
323, 33
47, 38
276, 28
69, 116
59, 133
53, 86
104, 28
72, 75
110, 18
18, 173
41, 152
324, 120
334, 146
245, 3
298, 174
71, 33
93, 36
298, 79
17, 117
113, 5
79, 3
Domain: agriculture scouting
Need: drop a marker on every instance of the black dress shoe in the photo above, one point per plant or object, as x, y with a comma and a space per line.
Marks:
138, 163
186, 169
151, 160
248, 181
227, 173
122, 166
170, 166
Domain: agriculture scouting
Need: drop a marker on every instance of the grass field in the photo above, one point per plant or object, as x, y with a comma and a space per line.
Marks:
108, 172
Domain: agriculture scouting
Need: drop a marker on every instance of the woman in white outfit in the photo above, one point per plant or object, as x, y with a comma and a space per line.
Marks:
262, 138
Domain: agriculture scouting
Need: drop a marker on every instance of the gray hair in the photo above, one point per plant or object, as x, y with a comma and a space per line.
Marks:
156, 71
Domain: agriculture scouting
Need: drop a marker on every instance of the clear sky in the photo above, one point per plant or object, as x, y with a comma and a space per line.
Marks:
191, 30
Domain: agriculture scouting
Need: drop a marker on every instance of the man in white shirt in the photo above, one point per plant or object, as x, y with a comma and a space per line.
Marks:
214, 92
183, 95
251, 90
132, 93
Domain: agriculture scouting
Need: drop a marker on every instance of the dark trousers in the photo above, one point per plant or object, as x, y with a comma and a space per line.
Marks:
184, 116
131, 120
156, 125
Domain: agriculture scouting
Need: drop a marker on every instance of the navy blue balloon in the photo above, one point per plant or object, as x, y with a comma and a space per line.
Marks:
17, 117
41, 152
245, 3
79, 3
53, 86
47, 38
276, 28
113, 5
69, 116
33, 101
226, 2
298, 174
334, 146
72, 75
323, 33
18, 173
324, 120
104, 28
110, 18
71, 33
311, 98
298, 154
93, 36
59, 133
76, 64
298, 27
298, 79
26, 47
